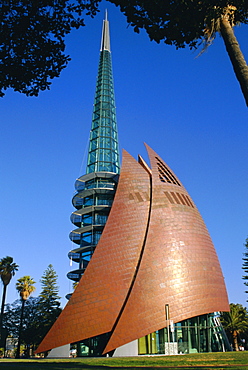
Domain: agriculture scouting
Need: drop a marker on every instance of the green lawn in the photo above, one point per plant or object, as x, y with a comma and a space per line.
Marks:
228, 360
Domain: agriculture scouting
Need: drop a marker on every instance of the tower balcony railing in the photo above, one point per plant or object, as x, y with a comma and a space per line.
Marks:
81, 182
68, 296
91, 201
77, 216
81, 257
86, 197
76, 274
77, 235
100, 184
75, 257
93, 217
77, 252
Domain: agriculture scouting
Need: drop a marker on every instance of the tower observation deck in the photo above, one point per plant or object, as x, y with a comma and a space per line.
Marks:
96, 189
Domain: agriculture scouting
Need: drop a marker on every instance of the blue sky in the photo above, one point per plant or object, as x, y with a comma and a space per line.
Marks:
189, 110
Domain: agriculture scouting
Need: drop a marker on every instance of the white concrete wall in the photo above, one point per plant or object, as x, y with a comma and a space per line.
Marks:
63, 351
129, 349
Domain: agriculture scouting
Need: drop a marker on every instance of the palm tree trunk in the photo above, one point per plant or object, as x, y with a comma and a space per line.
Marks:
2, 309
235, 341
235, 54
20, 331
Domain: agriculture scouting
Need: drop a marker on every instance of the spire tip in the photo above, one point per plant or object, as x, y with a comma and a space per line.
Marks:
105, 42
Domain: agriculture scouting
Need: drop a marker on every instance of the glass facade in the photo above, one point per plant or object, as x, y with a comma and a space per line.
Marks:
92, 347
93, 201
195, 335
103, 152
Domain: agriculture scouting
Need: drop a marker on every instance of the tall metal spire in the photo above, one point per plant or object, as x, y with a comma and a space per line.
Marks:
103, 152
95, 190
105, 43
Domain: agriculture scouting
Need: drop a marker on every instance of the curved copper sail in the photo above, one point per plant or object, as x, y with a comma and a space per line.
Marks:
102, 290
179, 265
155, 250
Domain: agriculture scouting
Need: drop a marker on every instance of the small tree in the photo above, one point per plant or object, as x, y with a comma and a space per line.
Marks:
7, 271
49, 304
245, 265
235, 322
25, 286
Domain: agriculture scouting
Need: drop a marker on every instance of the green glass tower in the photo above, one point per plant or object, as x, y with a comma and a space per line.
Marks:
96, 189
103, 149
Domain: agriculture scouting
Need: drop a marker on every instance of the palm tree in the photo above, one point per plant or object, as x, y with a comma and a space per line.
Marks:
235, 322
222, 20
7, 271
25, 286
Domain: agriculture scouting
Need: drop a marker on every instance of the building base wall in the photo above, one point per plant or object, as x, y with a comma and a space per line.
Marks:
129, 349
60, 352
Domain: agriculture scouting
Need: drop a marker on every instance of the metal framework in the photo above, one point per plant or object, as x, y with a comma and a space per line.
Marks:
103, 149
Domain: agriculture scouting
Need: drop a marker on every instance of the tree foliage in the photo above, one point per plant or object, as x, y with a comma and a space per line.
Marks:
191, 23
49, 294
25, 287
181, 22
49, 301
245, 265
235, 322
7, 269
30, 320
32, 33
39, 314
32, 41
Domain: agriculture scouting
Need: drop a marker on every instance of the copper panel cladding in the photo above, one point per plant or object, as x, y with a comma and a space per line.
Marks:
98, 299
154, 250
179, 266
